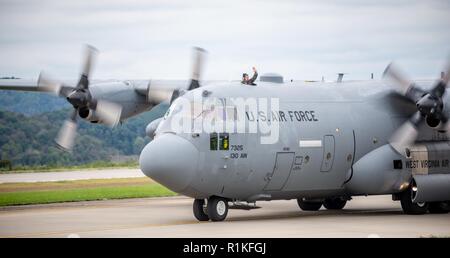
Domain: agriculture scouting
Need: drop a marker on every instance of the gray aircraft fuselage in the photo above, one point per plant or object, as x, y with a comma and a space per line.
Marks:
325, 130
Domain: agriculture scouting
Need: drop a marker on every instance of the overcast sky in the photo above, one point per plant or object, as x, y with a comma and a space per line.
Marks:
140, 39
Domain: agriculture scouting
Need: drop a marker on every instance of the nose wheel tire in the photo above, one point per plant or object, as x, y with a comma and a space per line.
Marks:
308, 205
334, 203
217, 208
409, 207
199, 210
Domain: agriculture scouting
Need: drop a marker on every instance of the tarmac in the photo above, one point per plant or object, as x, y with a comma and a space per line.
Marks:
376, 216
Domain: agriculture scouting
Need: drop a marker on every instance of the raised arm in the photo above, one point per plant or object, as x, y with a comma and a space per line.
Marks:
255, 75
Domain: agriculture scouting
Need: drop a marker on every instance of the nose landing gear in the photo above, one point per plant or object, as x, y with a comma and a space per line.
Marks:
199, 210
216, 209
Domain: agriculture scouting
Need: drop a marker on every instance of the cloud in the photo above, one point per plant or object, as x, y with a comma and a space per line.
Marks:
299, 39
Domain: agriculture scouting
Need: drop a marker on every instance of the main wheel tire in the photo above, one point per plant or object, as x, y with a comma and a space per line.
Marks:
409, 207
438, 207
308, 205
217, 208
334, 203
199, 210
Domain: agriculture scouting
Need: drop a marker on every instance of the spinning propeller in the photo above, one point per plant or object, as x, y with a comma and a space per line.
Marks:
82, 101
197, 69
430, 108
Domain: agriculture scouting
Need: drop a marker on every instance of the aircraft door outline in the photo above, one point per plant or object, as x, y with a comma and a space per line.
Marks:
281, 171
328, 153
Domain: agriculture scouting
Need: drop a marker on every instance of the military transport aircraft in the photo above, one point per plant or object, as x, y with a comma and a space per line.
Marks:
229, 145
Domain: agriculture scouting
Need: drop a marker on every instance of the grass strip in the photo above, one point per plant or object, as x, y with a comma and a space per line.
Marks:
84, 194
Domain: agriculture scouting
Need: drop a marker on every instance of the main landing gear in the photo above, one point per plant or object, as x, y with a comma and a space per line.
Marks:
409, 207
306, 205
336, 203
216, 209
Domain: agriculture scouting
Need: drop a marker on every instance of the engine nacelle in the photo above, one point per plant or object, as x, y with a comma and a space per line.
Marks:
430, 167
431, 188
384, 171
381, 171
156, 91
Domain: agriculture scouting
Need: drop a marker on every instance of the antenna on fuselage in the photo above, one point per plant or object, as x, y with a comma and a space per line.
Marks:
340, 77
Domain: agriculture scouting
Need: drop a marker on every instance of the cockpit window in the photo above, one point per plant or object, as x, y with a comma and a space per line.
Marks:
208, 110
166, 115
213, 141
175, 108
232, 114
196, 110
213, 109
224, 141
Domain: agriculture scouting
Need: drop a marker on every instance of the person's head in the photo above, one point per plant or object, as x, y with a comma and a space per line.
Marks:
245, 77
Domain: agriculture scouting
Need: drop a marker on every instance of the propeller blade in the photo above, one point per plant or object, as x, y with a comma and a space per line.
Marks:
67, 133
108, 112
393, 73
445, 126
407, 134
441, 86
89, 59
46, 84
198, 63
407, 87
446, 77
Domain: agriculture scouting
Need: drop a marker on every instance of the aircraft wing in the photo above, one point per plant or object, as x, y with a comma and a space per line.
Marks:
158, 91
18, 84
29, 85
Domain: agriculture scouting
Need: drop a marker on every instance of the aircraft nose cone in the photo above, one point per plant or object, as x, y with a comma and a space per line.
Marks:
170, 160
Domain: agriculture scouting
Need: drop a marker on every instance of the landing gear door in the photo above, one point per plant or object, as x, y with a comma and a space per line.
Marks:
328, 153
